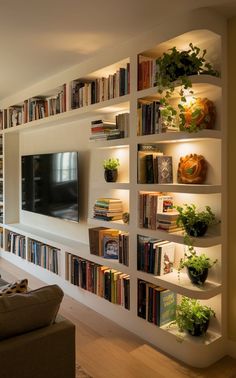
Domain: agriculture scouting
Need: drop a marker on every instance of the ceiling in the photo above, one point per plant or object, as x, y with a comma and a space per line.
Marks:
39, 38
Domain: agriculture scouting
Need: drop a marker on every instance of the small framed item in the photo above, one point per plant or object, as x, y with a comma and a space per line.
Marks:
111, 247
192, 169
164, 169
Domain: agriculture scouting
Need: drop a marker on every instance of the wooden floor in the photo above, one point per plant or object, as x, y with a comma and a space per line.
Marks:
106, 350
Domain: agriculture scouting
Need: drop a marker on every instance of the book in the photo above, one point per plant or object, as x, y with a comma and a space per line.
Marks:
165, 204
166, 306
96, 240
165, 169
111, 246
142, 297
166, 258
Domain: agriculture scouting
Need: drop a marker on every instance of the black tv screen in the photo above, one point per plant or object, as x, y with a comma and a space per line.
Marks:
50, 184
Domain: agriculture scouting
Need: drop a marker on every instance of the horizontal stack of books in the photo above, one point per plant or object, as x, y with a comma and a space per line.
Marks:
155, 256
107, 283
167, 221
108, 209
104, 130
156, 304
109, 243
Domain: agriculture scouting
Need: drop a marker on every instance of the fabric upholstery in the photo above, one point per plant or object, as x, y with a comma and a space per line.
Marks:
24, 312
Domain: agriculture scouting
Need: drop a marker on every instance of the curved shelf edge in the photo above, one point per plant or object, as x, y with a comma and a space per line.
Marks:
118, 225
182, 285
178, 237
181, 188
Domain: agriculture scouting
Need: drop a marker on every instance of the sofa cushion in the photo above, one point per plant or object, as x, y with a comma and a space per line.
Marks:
19, 286
24, 312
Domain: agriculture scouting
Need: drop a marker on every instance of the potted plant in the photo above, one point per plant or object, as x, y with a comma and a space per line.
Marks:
111, 169
193, 317
194, 222
197, 266
176, 65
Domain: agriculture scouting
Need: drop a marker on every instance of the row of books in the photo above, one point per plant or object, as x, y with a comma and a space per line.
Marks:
149, 120
107, 283
44, 255
154, 168
109, 243
16, 244
156, 304
156, 212
108, 209
155, 256
107, 130
35, 108
87, 92
147, 72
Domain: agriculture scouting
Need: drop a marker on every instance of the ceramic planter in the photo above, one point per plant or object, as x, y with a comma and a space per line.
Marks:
111, 175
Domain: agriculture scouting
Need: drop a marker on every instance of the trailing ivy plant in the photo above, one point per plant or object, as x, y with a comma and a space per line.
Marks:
174, 68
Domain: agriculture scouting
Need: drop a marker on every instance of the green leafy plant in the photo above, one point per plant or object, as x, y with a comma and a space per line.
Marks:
197, 262
173, 69
111, 163
193, 221
193, 317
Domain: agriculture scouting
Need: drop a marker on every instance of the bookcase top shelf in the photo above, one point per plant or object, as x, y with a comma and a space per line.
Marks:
200, 83
115, 105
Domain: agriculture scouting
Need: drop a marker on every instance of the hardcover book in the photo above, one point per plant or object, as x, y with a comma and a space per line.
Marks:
165, 170
111, 246
167, 307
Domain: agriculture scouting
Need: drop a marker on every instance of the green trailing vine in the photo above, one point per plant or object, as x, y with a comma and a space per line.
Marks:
174, 69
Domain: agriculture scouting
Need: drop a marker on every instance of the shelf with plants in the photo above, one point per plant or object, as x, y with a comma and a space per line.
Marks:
162, 262
157, 305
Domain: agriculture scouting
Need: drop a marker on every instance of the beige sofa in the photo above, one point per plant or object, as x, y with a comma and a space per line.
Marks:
38, 351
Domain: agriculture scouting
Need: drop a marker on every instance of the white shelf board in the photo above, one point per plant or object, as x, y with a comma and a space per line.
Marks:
210, 337
105, 144
111, 185
199, 85
48, 238
179, 136
111, 263
182, 285
117, 104
177, 237
119, 224
181, 188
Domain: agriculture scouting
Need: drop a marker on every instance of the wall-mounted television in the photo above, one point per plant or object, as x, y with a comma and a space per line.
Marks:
50, 184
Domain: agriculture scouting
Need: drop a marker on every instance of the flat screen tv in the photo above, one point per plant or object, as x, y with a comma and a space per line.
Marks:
50, 184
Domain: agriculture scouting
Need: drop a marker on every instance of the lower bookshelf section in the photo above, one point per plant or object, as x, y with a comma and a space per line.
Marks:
107, 283
43, 255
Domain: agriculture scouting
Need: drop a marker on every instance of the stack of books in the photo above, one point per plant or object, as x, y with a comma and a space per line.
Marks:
167, 221
108, 209
104, 130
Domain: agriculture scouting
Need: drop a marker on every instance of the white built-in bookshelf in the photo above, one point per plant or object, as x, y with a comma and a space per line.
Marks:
69, 130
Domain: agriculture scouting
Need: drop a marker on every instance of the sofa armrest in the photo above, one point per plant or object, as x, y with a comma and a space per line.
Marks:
47, 352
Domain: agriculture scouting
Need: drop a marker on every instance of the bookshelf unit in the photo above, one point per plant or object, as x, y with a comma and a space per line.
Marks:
69, 130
